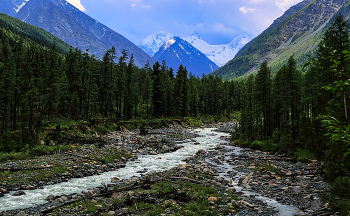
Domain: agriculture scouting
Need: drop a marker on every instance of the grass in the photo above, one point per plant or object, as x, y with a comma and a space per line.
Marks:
108, 158
303, 155
35, 175
37, 150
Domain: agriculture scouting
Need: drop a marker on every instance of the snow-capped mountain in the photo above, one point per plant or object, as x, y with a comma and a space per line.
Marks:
152, 43
219, 54
71, 25
177, 51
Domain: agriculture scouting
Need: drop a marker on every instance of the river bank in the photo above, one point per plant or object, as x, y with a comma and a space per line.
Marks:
236, 173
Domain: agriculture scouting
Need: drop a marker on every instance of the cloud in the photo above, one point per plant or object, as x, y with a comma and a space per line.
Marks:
133, 5
286, 4
146, 6
256, 1
77, 4
245, 10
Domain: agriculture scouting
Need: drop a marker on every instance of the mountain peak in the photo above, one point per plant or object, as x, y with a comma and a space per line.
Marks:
152, 43
195, 35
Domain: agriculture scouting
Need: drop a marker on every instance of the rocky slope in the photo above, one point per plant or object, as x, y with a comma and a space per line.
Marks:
296, 33
72, 26
177, 51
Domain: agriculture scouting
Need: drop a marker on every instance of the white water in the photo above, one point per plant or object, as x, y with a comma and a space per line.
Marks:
158, 162
151, 162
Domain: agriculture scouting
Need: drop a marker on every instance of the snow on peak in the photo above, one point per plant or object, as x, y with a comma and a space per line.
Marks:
19, 4
152, 43
219, 54
169, 43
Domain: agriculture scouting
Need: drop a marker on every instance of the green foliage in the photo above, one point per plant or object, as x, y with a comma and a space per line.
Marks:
341, 187
303, 155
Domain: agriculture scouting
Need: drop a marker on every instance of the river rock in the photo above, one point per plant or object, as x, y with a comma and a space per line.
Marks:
310, 196
152, 172
244, 204
21, 213
50, 198
266, 176
115, 195
134, 179
111, 212
232, 189
115, 180
30, 187
272, 182
227, 181
2, 190
206, 170
64, 198
88, 192
153, 153
1, 194
165, 148
60, 200
19, 193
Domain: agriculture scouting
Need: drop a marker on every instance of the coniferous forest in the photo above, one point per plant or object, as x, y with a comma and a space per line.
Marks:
304, 115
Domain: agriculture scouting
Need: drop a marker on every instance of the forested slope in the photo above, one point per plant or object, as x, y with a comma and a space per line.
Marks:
15, 29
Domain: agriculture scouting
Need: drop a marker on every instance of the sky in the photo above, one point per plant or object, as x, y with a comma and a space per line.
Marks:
217, 21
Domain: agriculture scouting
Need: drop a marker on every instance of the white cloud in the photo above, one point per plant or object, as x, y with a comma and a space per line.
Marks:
77, 4
256, 1
286, 4
147, 6
245, 10
133, 5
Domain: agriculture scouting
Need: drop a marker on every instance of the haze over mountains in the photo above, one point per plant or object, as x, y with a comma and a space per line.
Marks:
72, 26
296, 33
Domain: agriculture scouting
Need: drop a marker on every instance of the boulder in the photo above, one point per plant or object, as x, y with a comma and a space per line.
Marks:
19, 193
2, 190
50, 198
60, 200
115, 180
165, 148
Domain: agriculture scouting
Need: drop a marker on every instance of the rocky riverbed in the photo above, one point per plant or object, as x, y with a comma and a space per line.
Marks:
248, 182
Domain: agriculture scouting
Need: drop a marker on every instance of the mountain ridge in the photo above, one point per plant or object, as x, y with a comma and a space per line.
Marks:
65, 21
295, 34
177, 51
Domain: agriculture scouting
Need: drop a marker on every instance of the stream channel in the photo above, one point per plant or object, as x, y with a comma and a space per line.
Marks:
208, 139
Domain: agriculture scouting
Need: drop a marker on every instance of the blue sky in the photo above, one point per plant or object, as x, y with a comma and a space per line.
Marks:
217, 21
